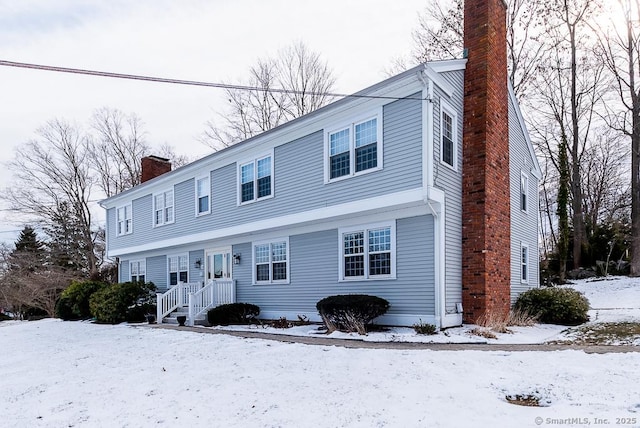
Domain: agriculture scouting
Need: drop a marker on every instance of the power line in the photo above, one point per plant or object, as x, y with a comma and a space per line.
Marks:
187, 82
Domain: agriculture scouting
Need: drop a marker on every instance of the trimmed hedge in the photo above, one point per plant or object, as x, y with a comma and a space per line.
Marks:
73, 303
127, 301
554, 305
233, 313
351, 312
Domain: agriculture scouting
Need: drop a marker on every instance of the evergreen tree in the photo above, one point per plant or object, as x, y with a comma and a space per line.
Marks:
562, 207
29, 253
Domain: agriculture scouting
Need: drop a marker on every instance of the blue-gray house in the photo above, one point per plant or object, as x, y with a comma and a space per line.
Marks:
364, 195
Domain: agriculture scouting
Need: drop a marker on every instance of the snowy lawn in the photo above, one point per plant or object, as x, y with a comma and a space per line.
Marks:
78, 374
68, 374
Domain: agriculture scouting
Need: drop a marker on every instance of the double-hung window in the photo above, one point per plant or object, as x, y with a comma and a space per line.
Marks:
256, 179
354, 149
524, 187
137, 270
163, 208
448, 146
203, 195
524, 263
367, 252
178, 267
124, 221
271, 262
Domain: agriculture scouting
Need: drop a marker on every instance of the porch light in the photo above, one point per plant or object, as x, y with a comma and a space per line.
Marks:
198, 263
236, 259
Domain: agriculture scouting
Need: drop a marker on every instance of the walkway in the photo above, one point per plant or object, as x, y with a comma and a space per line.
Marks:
352, 343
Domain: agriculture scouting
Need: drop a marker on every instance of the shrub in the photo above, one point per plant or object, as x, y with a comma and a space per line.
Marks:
351, 312
233, 313
74, 300
554, 305
424, 328
128, 301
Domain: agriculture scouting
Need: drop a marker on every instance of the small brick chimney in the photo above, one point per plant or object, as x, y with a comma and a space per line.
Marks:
486, 214
154, 166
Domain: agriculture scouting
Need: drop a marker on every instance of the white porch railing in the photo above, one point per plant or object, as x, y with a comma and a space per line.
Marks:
213, 294
174, 298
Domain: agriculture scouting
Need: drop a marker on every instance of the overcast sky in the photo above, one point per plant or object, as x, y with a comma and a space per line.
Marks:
211, 41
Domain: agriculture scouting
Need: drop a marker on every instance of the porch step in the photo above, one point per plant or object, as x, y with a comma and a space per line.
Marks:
172, 318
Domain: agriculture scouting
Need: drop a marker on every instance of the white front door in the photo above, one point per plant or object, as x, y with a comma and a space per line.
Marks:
218, 264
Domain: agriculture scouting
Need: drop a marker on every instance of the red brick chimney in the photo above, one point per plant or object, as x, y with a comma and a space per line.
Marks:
486, 214
154, 166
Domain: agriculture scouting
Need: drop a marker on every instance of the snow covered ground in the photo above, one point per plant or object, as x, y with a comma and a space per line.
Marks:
78, 374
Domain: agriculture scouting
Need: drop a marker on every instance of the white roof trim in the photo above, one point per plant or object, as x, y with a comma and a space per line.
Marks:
436, 78
535, 171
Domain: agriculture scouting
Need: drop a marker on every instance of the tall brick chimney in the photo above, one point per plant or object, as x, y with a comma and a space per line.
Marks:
486, 214
154, 166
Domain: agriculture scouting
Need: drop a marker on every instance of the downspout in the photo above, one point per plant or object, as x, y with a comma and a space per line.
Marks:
430, 194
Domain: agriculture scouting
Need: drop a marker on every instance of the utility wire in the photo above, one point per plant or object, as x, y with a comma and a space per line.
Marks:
187, 82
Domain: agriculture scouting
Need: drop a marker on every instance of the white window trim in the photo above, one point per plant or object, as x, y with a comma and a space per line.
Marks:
525, 265
377, 114
153, 212
197, 197
445, 107
254, 281
130, 231
255, 160
169, 256
143, 264
525, 177
365, 228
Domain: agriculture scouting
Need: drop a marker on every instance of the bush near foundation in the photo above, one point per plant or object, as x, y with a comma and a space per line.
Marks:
554, 305
233, 313
74, 300
127, 301
351, 312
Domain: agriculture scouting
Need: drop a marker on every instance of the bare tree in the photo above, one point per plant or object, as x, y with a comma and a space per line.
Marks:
567, 23
440, 36
620, 46
116, 149
52, 172
295, 83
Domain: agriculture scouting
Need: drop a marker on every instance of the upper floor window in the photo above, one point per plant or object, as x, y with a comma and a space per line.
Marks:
124, 221
178, 267
524, 187
353, 149
524, 263
448, 147
137, 270
163, 208
203, 195
271, 261
255, 179
367, 252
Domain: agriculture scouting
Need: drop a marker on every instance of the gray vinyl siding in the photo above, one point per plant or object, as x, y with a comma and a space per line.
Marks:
195, 274
314, 263
524, 226
157, 272
298, 175
450, 181
124, 275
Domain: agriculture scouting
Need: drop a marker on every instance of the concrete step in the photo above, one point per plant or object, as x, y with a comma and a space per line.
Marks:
172, 318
